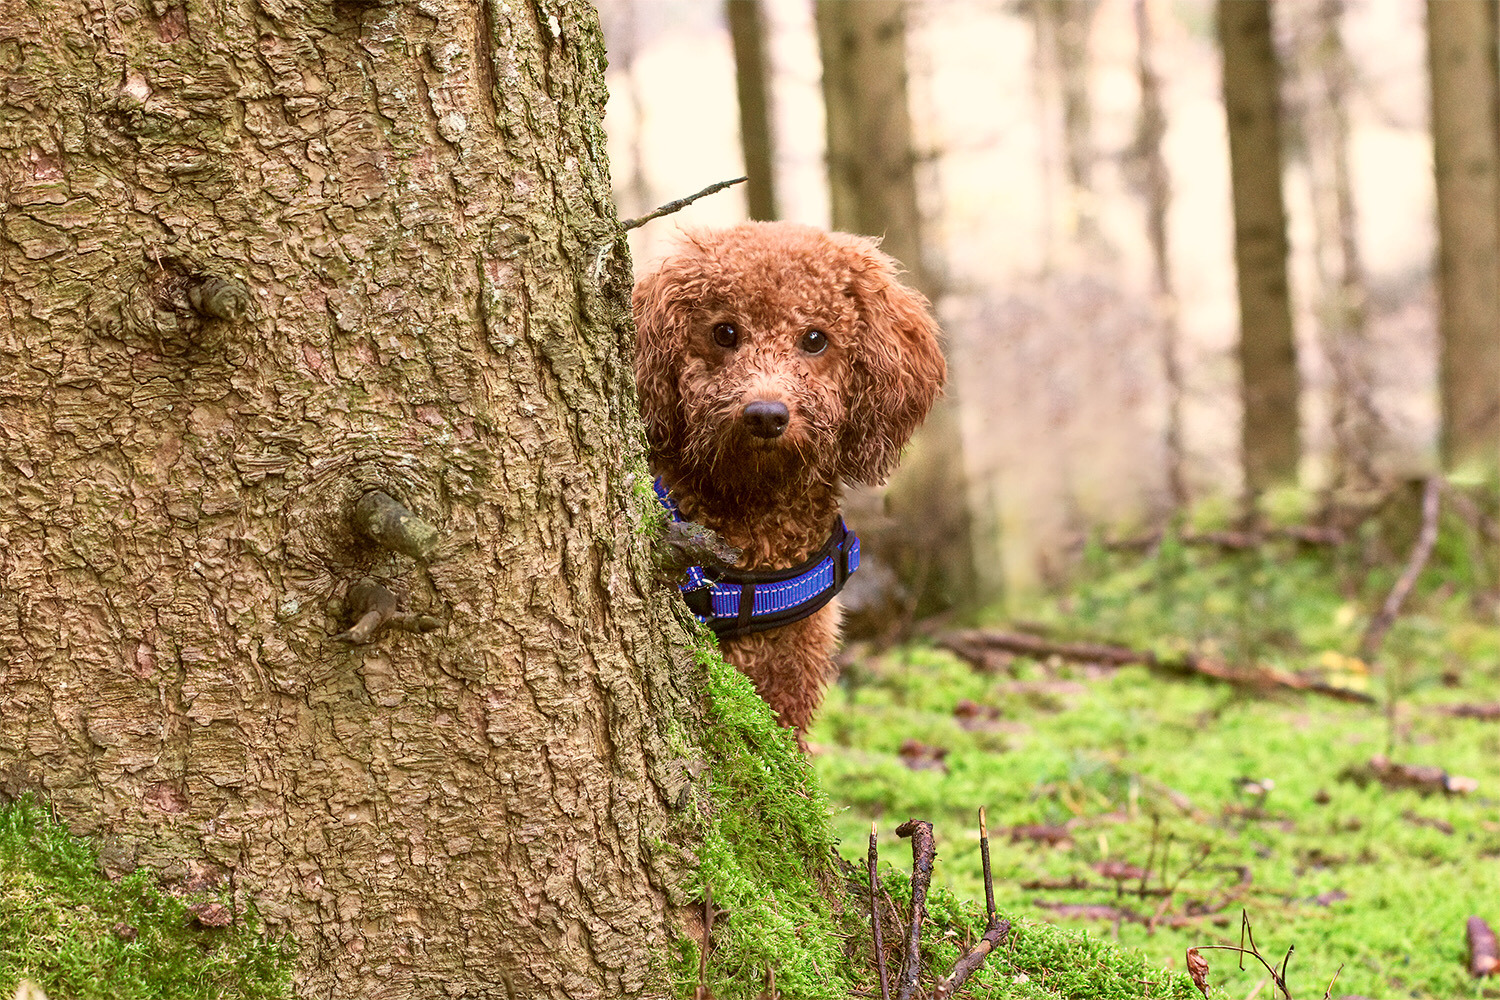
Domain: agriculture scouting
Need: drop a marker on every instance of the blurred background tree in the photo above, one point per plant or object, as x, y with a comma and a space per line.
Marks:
1146, 304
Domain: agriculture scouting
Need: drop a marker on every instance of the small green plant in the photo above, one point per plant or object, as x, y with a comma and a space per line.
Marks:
80, 936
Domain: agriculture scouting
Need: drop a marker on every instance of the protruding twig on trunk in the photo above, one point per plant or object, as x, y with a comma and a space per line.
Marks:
1484, 954
219, 298
923, 853
688, 543
871, 860
1420, 553
382, 519
680, 203
374, 608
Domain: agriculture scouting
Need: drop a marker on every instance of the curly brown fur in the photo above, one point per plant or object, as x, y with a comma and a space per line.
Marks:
754, 424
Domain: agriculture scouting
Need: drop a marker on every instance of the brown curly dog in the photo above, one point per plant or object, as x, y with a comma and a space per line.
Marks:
774, 362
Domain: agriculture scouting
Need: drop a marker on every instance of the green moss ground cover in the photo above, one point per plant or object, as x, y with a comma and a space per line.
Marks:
1084, 769
81, 936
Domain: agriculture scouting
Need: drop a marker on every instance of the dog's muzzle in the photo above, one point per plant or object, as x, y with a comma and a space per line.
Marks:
766, 418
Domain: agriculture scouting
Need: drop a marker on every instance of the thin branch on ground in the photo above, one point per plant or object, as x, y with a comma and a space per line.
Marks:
680, 203
1369, 645
871, 859
1309, 534
1254, 952
984, 861
923, 853
973, 645
994, 937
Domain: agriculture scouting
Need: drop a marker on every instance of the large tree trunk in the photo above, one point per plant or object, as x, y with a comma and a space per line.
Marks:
1268, 364
1462, 53
747, 30
255, 264
873, 190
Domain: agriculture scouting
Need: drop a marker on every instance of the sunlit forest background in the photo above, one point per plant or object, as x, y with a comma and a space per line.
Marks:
1192, 581
1094, 363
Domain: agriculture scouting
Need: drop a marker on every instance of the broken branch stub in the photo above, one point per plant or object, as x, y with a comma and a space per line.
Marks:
923, 853
374, 609
382, 519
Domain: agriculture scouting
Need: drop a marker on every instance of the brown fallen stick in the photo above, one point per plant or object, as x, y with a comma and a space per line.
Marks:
965, 967
871, 859
1236, 540
1369, 645
1484, 954
923, 853
973, 645
995, 931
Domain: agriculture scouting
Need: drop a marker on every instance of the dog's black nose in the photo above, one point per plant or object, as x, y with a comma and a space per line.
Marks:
766, 418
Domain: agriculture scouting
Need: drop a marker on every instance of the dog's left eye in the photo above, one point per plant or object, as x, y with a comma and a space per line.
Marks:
814, 342
725, 335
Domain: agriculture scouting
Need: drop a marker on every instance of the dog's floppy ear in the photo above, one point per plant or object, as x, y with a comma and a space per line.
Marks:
661, 310
897, 365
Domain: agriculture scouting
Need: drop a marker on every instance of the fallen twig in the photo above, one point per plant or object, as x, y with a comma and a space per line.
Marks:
975, 646
871, 859
1369, 645
994, 937
923, 853
1484, 954
984, 861
1308, 534
1279, 978
1423, 778
680, 203
995, 930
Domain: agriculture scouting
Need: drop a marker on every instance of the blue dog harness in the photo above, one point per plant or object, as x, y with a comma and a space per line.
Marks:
736, 602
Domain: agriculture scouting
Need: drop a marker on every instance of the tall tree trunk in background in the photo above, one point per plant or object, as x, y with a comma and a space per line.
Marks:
1324, 78
747, 30
873, 189
635, 195
1268, 363
1156, 184
1462, 53
1062, 31
256, 264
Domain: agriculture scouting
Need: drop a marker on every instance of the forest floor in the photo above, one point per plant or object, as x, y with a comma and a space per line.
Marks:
1164, 811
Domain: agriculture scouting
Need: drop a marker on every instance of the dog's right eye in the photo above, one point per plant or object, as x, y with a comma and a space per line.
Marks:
725, 335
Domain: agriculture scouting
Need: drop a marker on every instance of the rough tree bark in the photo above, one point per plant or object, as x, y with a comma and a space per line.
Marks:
1270, 435
1462, 60
873, 190
258, 261
747, 30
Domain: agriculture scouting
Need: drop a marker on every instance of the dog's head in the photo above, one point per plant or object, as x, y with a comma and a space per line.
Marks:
771, 354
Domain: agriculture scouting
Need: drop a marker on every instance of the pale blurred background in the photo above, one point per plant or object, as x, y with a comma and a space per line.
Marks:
1035, 233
